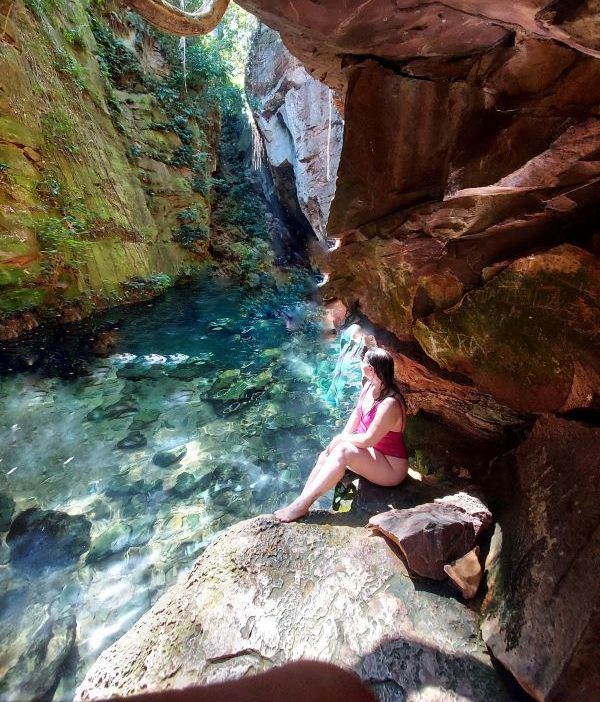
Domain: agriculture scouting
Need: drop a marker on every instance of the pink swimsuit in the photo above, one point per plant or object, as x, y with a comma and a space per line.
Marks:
392, 443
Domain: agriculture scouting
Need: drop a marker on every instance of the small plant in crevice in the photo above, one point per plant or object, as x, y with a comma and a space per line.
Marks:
74, 36
192, 229
63, 243
66, 64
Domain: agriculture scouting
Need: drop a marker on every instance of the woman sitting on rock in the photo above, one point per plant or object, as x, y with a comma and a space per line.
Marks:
371, 444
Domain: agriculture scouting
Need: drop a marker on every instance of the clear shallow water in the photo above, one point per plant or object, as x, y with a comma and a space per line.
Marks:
202, 373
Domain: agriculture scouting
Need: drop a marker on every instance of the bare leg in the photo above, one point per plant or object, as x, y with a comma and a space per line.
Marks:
368, 463
315, 471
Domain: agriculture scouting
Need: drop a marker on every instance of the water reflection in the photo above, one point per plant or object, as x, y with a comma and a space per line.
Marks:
208, 411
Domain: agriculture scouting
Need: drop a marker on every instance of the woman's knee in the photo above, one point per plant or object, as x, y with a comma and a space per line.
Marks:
343, 450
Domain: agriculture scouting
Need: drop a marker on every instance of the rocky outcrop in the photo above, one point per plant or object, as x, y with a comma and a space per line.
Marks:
265, 593
301, 130
470, 145
543, 602
94, 173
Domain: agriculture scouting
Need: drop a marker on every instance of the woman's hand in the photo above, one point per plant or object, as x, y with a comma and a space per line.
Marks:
332, 444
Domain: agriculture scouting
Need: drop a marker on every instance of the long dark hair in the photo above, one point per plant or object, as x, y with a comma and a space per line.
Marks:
383, 365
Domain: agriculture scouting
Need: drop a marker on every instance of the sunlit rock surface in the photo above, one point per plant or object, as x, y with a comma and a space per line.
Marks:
265, 593
300, 126
470, 143
543, 603
89, 188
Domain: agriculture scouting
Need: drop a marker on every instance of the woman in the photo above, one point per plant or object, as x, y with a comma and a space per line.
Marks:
371, 444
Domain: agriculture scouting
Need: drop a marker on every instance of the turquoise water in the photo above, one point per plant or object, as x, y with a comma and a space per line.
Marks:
208, 411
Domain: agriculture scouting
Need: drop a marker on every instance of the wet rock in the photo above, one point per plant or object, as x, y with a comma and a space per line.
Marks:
39, 538
38, 670
144, 419
190, 370
206, 481
273, 593
121, 408
133, 440
185, 484
140, 371
541, 609
120, 485
167, 458
115, 539
7, 509
225, 380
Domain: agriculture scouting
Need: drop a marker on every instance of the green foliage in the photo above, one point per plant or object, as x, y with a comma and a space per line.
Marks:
254, 263
40, 7
118, 62
62, 239
192, 228
155, 283
49, 190
74, 36
243, 207
59, 132
66, 64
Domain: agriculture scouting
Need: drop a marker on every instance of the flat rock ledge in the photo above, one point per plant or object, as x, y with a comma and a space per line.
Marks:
264, 594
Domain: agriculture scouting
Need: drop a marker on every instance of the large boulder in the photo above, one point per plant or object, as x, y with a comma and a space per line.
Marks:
265, 593
433, 534
543, 605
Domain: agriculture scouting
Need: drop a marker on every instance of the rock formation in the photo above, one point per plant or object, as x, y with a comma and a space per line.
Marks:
542, 610
301, 129
93, 170
265, 593
466, 198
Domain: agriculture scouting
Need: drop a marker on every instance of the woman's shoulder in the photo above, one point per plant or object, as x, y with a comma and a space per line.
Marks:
392, 403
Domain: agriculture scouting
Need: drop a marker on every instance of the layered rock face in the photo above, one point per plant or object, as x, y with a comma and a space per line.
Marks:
466, 210
91, 190
542, 610
301, 129
466, 199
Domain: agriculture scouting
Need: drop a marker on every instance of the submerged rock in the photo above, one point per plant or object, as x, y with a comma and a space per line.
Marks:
265, 593
133, 440
38, 670
115, 539
185, 484
39, 538
167, 458
7, 509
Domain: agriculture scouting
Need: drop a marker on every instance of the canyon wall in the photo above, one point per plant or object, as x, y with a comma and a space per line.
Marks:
466, 213
467, 195
104, 187
301, 130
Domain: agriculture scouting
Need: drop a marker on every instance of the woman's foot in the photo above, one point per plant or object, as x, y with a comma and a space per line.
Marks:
298, 508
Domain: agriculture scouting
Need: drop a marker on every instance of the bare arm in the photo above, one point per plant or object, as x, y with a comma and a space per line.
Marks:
350, 428
352, 423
